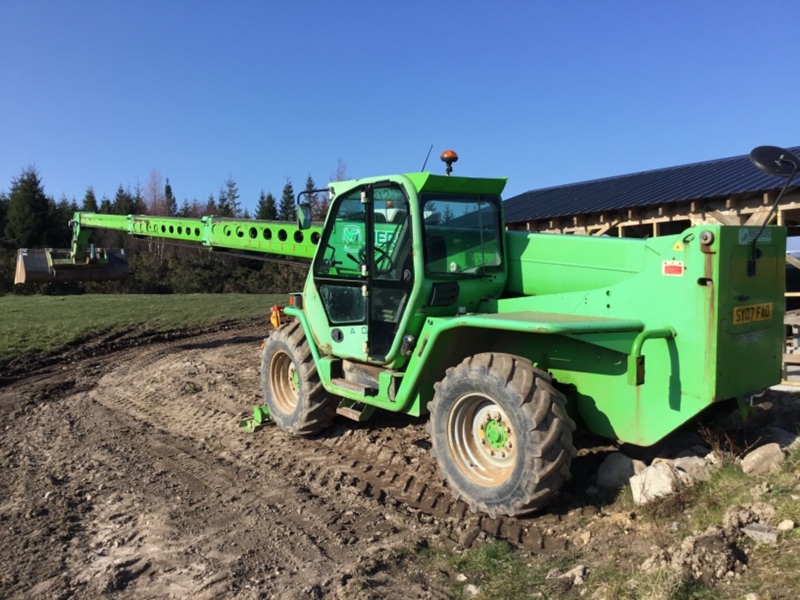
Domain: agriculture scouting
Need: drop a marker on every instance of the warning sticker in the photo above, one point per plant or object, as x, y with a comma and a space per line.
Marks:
678, 247
672, 267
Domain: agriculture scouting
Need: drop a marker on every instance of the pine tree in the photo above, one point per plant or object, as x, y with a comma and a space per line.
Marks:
3, 212
211, 206
123, 203
267, 209
311, 198
27, 210
287, 211
186, 209
228, 203
58, 232
170, 204
89, 201
138, 207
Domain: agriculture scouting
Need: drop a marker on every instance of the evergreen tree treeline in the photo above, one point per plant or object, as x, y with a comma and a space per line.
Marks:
31, 219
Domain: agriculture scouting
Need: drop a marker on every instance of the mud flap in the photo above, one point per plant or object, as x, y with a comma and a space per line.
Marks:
53, 265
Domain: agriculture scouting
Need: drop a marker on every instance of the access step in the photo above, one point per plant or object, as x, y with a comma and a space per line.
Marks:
362, 389
354, 410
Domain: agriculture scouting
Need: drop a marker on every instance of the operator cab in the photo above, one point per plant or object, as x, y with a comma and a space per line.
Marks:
396, 250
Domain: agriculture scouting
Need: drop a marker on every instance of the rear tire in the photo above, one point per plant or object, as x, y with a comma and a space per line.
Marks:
292, 390
501, 434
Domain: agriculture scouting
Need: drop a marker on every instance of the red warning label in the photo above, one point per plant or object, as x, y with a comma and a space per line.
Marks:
672, 267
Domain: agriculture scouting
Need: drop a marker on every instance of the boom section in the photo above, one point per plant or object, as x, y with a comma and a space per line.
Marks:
247, 235
85, 262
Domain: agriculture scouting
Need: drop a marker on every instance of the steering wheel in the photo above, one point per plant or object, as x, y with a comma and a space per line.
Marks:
383, 260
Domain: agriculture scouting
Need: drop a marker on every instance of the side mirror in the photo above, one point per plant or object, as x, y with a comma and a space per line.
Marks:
304, 215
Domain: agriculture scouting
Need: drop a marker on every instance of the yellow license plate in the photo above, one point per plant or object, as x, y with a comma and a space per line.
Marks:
752, 313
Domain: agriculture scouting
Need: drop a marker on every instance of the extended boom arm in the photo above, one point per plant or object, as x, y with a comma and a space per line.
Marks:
84, 262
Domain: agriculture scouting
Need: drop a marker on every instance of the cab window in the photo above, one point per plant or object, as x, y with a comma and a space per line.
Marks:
463, 235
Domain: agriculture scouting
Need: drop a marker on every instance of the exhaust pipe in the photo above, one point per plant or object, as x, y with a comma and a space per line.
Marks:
56, 265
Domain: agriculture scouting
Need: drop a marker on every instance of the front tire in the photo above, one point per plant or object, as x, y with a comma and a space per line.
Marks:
292, 389
501, 434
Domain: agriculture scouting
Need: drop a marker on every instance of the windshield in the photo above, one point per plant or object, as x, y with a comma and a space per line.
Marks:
462, 234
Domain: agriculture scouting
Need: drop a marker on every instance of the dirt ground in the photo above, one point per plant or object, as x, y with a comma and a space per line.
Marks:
123, 473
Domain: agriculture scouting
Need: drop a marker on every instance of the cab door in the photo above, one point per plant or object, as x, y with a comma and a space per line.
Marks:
364, 272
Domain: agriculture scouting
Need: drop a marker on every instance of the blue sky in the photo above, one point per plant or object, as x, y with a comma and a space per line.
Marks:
104, 92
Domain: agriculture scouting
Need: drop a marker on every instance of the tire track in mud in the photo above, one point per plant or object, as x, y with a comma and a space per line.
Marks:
191, 436
125, 474
387, 465
383, 475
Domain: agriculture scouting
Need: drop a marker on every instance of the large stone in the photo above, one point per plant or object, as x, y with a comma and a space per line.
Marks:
698, 469
656, 481
577, 575
763, 460
785, 439
617, 469
761, 533
471, 590
786, 525
739, 516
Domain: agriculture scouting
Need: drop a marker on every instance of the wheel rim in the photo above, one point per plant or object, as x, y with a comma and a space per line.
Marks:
284, 382
482, 440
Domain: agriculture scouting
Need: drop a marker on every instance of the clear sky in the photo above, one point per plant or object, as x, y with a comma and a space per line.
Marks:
104, 92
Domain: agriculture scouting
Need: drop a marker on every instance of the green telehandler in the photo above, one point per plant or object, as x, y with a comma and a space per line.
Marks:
418, 301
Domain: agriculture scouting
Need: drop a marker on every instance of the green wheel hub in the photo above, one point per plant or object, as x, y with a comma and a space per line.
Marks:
494, 432
295, 377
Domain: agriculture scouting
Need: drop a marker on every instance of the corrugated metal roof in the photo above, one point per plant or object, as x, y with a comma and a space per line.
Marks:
704, 180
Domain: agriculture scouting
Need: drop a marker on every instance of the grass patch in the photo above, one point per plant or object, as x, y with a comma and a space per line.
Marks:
784, 491
728, 486
776, 574
661, 584
496, 569
44, 323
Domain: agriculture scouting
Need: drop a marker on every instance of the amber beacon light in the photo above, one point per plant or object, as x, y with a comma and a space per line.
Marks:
449, 157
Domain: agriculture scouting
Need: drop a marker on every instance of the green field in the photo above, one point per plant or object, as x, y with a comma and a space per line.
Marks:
44, 323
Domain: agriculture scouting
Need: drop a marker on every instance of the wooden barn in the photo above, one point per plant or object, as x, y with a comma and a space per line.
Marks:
658, 202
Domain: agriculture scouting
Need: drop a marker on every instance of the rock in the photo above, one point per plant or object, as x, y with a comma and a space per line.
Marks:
461, 578
760, 490
761, 533
738, 517
623, 520
707, 557
679, 441
656, 481
763, 460
468, 537
617, 469
701, 450
698, 469
577, 575
472, 590
779, 436
693, 451
786, 525
658, 560
587, 535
